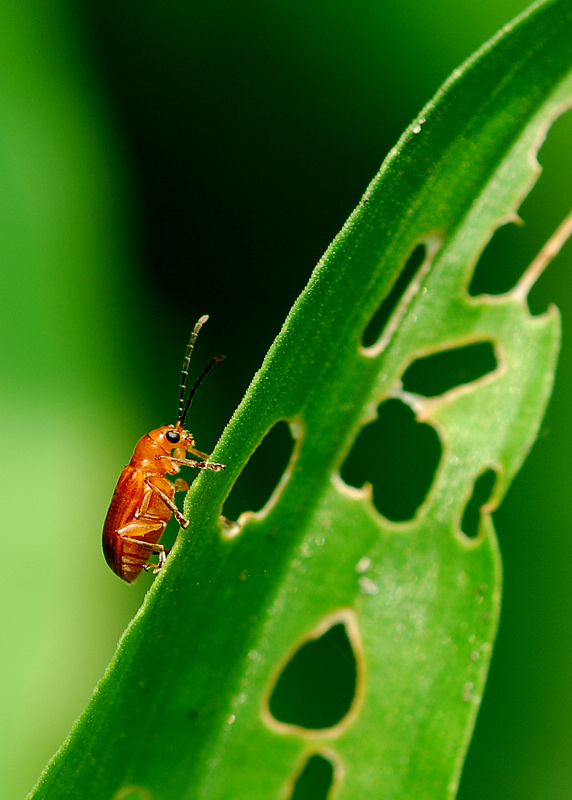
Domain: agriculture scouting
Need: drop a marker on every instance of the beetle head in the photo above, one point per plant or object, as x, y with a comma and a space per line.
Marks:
174, 436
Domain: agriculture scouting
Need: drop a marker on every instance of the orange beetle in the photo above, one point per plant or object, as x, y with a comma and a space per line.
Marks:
143, 503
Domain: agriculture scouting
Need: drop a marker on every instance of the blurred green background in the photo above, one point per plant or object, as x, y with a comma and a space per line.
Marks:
163, 160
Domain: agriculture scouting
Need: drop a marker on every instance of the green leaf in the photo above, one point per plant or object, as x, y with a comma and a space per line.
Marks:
211, 692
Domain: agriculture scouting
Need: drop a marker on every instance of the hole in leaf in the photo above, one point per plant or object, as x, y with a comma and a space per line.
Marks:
315, 780
513, 247
440, 372
482, 491
398, 456
262, 473
498, 270
379, 320
316, 688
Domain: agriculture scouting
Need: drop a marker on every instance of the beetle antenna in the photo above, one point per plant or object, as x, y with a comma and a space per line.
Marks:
198, 382
186, 362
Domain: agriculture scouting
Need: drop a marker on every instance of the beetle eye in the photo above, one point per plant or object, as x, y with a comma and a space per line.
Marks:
172, 437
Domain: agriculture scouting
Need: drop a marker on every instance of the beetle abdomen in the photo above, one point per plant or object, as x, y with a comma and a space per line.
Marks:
136, 519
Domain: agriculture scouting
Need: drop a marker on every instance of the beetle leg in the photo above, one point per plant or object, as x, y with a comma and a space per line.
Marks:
184, 523
198, 453
181, 452
153, 548
181, 485
144, 505
157, 567
186, 462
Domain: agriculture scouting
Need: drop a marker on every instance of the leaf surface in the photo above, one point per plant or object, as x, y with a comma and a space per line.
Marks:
187, 708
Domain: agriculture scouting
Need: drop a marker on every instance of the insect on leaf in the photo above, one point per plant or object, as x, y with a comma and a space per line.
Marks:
325, 641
